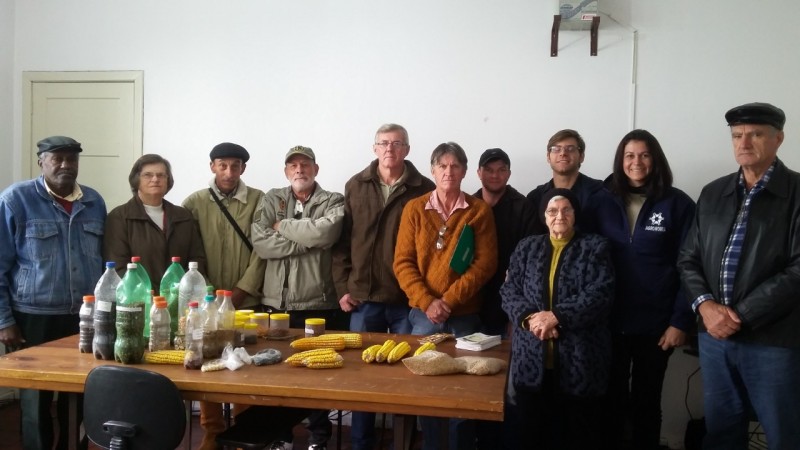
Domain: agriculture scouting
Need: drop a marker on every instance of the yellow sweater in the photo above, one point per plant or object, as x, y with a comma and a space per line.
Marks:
424, 272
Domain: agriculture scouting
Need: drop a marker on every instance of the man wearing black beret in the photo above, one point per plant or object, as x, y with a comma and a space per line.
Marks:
740, 265
50, 235
231, 264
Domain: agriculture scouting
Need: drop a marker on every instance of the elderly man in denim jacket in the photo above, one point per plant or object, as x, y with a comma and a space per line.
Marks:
51, 236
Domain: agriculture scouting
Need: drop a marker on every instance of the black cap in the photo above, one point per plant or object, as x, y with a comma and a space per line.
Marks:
493, 154
566, 193
228, 150
756, 113
58, 144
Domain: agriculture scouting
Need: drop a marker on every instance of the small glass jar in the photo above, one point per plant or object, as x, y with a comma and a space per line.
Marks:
315, 327
238, 333
262, 320
278, 325
250, 333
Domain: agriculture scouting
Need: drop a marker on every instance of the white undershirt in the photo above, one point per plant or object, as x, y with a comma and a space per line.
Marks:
156, 214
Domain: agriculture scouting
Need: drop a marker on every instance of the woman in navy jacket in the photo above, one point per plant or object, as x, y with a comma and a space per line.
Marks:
645, 219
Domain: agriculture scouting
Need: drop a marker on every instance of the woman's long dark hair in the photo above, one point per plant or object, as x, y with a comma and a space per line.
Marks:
658, 181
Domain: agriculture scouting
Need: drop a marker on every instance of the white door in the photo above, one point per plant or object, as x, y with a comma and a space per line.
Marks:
102, 111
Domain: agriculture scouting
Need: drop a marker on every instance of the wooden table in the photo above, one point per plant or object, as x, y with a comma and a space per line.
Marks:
58, 366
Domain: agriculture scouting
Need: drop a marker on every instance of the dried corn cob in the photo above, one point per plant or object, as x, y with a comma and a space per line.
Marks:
351, 340
398, 352
213, 365
368, 355
384, 351
324, 361
297, 358
164, 357
425, 347
324, 341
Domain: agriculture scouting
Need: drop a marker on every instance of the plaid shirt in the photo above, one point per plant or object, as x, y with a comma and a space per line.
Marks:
733, 251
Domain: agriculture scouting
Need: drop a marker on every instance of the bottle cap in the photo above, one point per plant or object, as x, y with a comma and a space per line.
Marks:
210, 298
220, 292
315, 321
176, 259
132, 266
88, 299
193, 304
110, 264
192, 264
228, 294
136, 259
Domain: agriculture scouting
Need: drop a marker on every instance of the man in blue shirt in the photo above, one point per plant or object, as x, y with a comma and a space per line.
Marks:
51, 235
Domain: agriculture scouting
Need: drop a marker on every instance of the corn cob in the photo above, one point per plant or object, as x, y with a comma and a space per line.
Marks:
164, 357
384, 351
425, 347
324, 361
368, 355
351, 340
398, 352
297, 358
213, 365
324, 341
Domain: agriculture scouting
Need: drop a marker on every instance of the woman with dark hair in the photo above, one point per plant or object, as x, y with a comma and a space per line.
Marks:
558, 295
151, 227
646, 220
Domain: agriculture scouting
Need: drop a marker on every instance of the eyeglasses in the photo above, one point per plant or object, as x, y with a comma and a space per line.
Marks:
393, 144
440, 239
151, 175
558, 149
553, 212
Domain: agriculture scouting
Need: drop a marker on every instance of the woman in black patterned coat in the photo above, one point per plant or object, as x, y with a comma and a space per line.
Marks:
561, 346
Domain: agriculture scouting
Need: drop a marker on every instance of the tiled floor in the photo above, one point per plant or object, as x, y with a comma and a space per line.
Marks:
10, 435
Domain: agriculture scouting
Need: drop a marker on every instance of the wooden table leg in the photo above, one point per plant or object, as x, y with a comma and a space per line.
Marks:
403, 426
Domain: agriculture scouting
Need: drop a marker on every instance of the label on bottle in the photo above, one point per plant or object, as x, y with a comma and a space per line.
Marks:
103, 305
129, 308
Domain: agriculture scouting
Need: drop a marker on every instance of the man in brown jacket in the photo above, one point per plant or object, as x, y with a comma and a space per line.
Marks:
374, 200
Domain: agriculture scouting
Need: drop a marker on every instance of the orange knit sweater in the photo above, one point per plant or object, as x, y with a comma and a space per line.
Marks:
424, 273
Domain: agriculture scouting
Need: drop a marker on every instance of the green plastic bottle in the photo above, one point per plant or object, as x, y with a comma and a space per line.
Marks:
144, 278
131, 301
168, 289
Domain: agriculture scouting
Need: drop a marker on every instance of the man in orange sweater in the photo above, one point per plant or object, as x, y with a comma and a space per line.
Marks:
444, 298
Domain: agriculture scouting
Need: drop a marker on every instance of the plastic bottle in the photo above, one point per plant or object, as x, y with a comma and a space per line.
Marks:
105, 313
168, 289
211, 348
192, 288
159, 325
220, 297
227, 320
131, 297
86, 324
193, 358
144, 276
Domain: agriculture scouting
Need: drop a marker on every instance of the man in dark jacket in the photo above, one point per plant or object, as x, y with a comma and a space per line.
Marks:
362, 259
565, 153
741, 267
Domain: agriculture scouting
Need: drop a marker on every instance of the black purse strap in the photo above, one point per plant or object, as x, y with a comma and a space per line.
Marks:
230, 219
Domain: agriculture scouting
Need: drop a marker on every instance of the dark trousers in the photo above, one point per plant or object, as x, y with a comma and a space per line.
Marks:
637, 376
37, 422
550, 420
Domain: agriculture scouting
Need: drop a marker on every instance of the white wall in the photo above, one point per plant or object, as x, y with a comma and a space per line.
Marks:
6, 91
270, 75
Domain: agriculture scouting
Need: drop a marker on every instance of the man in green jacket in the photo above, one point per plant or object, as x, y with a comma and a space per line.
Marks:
231, 264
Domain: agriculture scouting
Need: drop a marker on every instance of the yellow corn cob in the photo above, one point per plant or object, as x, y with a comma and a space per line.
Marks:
324, 341
164, 357
324, 361
398, 352
351, 340
384, 351
368, 355
297, 358
425, 347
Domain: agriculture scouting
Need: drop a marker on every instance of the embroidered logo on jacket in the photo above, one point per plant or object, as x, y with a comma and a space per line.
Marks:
655, 222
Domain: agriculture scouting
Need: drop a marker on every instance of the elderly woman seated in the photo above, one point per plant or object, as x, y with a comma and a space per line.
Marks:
558, 294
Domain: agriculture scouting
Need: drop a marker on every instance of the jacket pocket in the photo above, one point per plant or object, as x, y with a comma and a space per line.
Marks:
91, 237
41, 240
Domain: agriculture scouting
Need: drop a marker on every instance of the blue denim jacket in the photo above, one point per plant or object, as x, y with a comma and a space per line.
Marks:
49, 259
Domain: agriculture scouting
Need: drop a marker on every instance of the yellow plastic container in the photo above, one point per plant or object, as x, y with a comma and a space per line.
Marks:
262, 322
278, 325
315, 327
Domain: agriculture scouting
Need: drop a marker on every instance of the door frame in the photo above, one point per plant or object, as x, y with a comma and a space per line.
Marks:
30, 77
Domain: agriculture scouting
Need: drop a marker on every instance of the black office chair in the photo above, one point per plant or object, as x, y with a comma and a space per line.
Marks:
129, 408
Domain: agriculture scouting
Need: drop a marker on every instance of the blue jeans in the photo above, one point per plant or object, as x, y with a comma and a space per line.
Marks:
379, 318
461, 434
738, 377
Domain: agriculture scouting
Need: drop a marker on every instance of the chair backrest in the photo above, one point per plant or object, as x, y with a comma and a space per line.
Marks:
149, 401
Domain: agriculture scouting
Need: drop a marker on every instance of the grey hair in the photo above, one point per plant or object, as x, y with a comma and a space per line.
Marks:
451, 148
389, 127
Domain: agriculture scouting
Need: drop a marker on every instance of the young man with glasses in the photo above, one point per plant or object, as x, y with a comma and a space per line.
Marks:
363, 257
565, 153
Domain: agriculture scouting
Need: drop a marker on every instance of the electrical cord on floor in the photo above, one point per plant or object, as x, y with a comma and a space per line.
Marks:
686, 395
